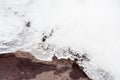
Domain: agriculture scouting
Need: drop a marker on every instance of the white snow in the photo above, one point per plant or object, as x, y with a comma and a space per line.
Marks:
92, 25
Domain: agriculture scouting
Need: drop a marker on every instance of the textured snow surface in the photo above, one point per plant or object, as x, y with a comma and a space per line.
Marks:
47, 27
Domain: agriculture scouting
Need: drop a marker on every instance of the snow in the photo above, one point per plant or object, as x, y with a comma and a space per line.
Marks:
82, 25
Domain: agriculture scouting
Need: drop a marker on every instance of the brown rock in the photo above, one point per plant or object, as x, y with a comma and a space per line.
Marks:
23, 66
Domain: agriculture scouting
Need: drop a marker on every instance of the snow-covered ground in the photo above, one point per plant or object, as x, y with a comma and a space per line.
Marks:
91, 26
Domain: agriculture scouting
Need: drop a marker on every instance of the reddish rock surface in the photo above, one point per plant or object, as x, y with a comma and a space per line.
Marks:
23, 66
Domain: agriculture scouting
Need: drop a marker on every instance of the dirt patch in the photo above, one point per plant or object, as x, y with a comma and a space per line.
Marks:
23, 66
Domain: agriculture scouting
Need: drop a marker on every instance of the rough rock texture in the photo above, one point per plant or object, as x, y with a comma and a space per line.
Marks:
23, 66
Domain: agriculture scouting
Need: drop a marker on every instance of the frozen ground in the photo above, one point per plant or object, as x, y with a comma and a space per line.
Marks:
85, 26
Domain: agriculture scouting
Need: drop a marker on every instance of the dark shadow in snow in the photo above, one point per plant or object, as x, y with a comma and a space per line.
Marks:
28, 24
